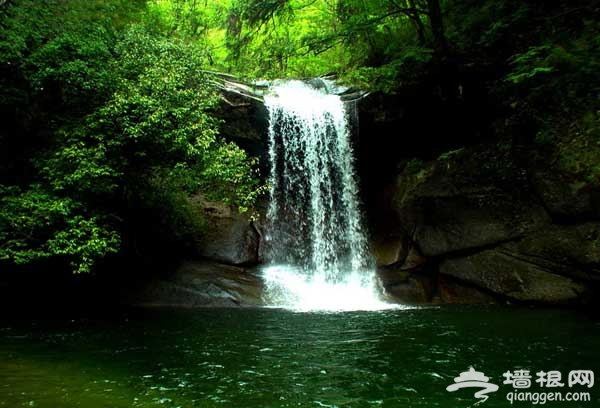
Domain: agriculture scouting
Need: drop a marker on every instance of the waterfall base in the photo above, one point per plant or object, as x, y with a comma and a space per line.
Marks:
288, 288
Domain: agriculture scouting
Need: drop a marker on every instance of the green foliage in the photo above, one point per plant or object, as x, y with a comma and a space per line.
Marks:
126, 115
159, 113
75, 67
555, 83
530, 64
414, 166
452, 154
303, 38
561, 71
36, 225
405, 70
579, 152
287, 27
165, 199
108, 108
478, 26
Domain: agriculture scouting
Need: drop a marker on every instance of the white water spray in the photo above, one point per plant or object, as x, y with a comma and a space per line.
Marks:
316, 245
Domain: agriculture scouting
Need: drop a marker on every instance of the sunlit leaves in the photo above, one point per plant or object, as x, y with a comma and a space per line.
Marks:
530, 64
85, 240
230, 176
126, 120
37, 225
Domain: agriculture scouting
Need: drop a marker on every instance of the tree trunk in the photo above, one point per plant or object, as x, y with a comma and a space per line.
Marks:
437, 25
416, 22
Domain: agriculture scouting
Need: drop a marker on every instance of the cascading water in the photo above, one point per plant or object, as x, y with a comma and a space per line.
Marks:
315, 243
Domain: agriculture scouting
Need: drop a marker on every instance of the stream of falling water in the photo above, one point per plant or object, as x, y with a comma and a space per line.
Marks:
316, 246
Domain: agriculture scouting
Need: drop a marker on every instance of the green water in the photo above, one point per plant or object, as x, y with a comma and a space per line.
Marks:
274, 358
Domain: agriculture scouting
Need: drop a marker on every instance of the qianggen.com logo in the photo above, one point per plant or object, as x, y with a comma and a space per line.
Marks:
521, 380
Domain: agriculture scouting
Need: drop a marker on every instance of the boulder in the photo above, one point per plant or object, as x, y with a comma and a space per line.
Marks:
230, 237
505, 273
406, 287
565, 197
390, 250
496, 229
570, 250
442, 213
451, 291
203, 284
450, 224
244, 119
414, 260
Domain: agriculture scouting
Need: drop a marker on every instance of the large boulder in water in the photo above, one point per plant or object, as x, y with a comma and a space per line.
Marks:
475, 220
564, 174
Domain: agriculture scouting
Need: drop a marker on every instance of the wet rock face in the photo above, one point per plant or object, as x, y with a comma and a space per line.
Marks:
566, 198
222, 274
505, 274
568, 250
451, 291
473, 220
245, 122
390, 250
444, 211
203, 284
484, 236
230, 237
405, 286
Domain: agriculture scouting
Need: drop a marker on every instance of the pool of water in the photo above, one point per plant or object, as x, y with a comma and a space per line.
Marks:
277, 358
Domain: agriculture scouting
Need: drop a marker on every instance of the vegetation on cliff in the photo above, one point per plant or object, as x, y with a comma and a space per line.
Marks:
111, 116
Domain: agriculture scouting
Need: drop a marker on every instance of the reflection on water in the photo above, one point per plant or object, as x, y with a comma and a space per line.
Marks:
275, 358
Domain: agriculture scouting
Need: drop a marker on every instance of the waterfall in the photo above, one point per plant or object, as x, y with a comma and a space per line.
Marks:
315, 244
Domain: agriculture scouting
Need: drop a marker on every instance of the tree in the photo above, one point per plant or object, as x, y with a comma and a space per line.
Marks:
120, 115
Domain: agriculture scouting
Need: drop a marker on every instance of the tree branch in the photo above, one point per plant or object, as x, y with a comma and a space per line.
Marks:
235, 105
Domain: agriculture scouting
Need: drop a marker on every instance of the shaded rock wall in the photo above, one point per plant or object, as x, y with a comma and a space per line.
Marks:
484, 236
230, 236
197, 283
